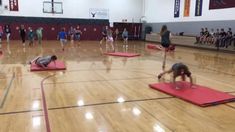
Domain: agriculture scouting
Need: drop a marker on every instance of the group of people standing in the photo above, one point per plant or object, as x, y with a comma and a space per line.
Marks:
23, 34
107, 34
218, 38
74, 33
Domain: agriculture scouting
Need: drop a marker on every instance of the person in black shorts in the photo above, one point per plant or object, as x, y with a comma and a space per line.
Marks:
78, 34
206, 36
228, 38
44, 61
199, 38
104, 34
22, 34
7, 31
222, 37
178, 69
165, 42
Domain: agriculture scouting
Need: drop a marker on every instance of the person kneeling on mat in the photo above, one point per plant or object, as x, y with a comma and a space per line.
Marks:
44, 61
178, 69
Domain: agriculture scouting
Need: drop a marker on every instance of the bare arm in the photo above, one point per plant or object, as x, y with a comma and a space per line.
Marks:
43, 66
34, 59
191, 81
54, 63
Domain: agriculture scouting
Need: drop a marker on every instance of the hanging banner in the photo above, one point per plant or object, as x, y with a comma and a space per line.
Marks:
13, 5
198, 8
98, 13
186, 8
220, 4
177, 9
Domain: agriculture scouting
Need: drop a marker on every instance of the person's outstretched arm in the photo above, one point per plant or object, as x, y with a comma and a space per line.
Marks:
34, 59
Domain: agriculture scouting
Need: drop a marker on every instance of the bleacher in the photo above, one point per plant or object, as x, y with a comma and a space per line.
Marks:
186, 40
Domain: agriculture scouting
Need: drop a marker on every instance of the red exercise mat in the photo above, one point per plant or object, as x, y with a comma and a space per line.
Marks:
59, 66
199, 95
122, 54
153, 46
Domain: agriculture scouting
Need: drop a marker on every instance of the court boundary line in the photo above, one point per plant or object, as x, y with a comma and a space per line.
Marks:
20, 112
99, 80
230, 106
87, 105
109, 103
44, 104
6, 91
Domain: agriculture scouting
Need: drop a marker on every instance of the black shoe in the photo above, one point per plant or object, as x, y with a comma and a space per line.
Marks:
159, 76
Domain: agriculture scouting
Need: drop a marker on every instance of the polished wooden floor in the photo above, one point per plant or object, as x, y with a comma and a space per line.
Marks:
100, 93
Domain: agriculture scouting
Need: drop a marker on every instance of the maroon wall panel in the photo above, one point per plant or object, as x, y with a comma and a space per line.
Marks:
50, 31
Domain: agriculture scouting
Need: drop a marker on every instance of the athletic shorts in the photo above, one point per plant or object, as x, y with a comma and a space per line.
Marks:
165, 45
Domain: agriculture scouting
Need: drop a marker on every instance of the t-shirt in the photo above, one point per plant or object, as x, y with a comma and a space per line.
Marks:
125, 34
207, 33
223, 34
22, 32
39, 32
104, 32
43, 60
230, 33
7, 30
176, 68
202, 33
62, 35
30, 35
165, 41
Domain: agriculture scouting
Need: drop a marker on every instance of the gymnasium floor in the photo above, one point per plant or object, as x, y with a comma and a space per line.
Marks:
109, 94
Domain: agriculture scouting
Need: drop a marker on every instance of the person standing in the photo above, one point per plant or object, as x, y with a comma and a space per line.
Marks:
62, 36
31, 36
1, 34
165, 42
7, 30
39, 35
104, 34
125, 38
22, 34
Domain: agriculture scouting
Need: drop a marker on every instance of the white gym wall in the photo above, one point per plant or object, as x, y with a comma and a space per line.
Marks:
118, 9
157, 11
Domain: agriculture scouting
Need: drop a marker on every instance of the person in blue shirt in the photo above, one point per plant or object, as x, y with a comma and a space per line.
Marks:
30, 36
62, 36
125, 37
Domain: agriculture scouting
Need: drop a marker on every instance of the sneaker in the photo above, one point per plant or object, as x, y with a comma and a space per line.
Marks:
159, 76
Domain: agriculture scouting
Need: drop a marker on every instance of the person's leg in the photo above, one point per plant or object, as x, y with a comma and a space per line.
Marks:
22, 39
62, 44
112, 46
101, 41
197, 40
40, 40
8, 38
164, 59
